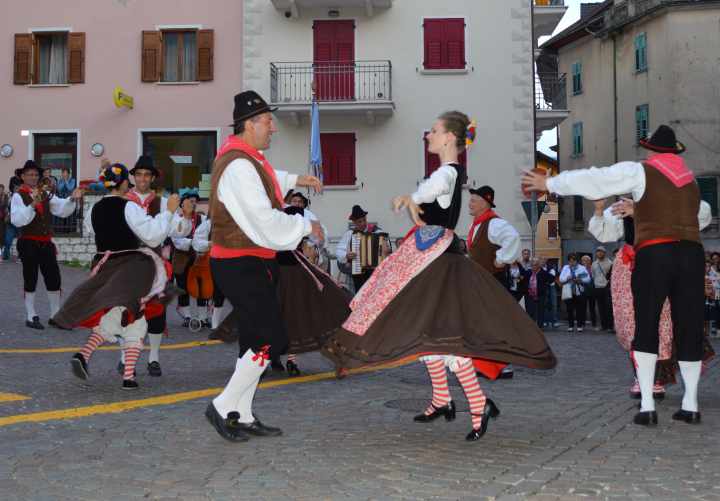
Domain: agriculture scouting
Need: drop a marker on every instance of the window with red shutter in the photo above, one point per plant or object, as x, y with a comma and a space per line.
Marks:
432, 161
552, 229
444, 41
338, 152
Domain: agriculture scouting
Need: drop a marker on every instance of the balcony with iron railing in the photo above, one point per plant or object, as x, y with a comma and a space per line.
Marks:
360, 87
296, 8
546, 16
550, 100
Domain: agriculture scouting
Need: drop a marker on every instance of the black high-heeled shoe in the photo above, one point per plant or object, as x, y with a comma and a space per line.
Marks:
490, 411
446, 410
292, 368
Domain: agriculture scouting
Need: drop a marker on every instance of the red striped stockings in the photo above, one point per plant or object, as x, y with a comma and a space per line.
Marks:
93, 342
131, 358
474, 394
440, 390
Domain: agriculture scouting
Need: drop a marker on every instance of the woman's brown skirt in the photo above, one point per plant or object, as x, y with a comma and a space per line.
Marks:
453, 307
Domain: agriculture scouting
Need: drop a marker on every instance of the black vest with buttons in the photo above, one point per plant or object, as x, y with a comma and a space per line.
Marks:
112, 233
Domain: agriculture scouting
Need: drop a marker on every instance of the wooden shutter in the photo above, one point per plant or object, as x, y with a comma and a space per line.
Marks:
552, 229
76, 51
23, 59
151, 68
206, 49
444, 41
432, 161
338, 158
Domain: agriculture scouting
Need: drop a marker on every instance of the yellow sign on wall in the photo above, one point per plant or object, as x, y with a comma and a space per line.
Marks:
121, 99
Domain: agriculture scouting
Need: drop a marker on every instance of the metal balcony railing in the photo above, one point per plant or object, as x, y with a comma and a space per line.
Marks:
550, 91
358, 82
549, 3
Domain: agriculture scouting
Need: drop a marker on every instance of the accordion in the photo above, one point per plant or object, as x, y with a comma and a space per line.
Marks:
369, 249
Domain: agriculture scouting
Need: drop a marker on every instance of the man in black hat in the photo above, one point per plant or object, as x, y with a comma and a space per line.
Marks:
144, 175
31, 210
669, 260
347, 258
248, 228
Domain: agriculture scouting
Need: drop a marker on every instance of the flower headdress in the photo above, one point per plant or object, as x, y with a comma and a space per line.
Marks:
470, 133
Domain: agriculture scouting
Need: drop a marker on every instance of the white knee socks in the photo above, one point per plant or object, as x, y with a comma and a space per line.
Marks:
244, 380
691, 376
217, 316
30, 305
155, 340
645, 369
54, 297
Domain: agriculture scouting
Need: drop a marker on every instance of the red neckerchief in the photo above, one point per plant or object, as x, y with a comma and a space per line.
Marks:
39, 207
133, 196
672, 167
478, 221
237, 144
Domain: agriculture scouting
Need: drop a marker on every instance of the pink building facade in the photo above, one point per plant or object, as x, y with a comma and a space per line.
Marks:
180, 61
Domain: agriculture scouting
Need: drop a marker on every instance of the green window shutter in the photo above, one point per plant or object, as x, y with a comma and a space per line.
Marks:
577, 77
577, 139
642, 122
709, 192
641, 52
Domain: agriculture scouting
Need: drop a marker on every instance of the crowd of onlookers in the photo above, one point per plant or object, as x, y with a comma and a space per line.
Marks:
712, 291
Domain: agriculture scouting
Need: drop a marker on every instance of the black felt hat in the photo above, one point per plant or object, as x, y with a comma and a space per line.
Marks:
357, 213
30, 165
292, 210
145, 162
247, 105
486, 193
663, 141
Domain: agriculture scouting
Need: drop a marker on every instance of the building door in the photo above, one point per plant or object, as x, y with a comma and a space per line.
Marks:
334, 60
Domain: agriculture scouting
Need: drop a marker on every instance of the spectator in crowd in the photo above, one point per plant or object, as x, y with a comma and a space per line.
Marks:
538, 286
712, 278
715, 261
525, 261
10, 229
344, 253
66, 184
574, 278
4, 212
551, 305
517, 281
47, 174
99, 187
601, 269
586, 262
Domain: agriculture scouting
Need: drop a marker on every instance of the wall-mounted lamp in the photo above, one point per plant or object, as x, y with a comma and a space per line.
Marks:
97, 149
6, 151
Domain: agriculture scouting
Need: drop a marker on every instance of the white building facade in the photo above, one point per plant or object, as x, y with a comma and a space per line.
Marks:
383, 71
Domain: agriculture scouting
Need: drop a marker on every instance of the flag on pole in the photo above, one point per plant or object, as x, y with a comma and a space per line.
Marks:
315, 149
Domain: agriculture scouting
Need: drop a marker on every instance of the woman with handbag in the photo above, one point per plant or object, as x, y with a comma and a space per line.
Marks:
573, 278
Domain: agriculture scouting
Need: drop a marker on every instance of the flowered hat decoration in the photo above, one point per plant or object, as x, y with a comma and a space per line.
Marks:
470, 134
113, 175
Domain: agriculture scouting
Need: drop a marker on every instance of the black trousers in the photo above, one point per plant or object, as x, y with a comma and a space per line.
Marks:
576, 311
157, 324
675, 271
218, 296
250, 284
359, 280
39, 256
536, 308
602, 299
181, 281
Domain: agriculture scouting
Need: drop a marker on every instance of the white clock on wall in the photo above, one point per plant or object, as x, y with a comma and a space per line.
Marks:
97, 149
6, 151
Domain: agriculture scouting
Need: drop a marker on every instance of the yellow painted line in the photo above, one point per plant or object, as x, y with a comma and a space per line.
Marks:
12, 397
176, 346
128, 405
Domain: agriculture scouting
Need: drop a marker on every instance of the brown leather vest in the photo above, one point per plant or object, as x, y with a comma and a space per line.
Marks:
225, 231
482, 250
665, 211
154, 207
40, 226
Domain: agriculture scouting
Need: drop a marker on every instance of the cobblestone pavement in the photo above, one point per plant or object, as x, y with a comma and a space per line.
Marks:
562, 434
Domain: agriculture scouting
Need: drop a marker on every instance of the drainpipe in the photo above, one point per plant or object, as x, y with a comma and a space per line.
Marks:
615, 101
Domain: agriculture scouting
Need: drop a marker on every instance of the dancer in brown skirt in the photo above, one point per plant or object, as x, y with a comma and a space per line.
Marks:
427, 299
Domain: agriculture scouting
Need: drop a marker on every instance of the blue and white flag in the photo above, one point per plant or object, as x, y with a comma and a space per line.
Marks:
315, 148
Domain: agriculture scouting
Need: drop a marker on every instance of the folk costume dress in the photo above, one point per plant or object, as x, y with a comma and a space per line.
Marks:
611, 228
669, 262
127, 278
183, 258
428, 299
36, 248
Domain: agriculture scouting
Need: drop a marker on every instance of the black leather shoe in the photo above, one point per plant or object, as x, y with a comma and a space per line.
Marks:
186, 322
277, 366
255, 428
205, 324
490, 411
659, 395
506, 374
154, 369
221, 425
35, 324
446, 410
53, 323
646, 418
130, 384
79, 366
687, 416
292, 368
